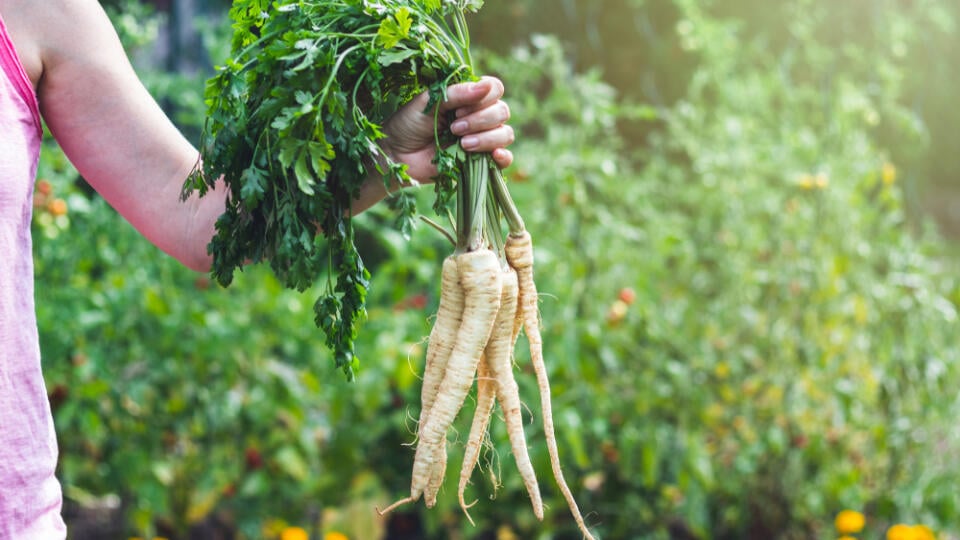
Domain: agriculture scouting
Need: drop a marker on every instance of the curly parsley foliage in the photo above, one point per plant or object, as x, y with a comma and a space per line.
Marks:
294, 124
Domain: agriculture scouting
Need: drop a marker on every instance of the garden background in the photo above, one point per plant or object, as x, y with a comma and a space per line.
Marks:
746, 215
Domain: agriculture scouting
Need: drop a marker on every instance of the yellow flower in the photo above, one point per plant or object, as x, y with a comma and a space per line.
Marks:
806, 181
846, 538
922, 532
335, 536
849, 522
888, 174
293, 533
900, 531
506, 533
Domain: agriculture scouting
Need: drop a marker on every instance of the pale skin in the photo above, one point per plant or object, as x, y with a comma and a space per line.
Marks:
124, 145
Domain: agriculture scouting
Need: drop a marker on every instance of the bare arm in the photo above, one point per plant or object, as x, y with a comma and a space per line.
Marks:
114, 132
120, 140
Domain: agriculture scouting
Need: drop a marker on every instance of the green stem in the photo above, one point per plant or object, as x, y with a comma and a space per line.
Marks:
502, 195
494, 215
440, 229
471, 198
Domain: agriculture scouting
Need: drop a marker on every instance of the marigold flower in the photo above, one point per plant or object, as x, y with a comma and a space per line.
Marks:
850, 522
922, 532
293, 533
847, 538
900, 531
335, 536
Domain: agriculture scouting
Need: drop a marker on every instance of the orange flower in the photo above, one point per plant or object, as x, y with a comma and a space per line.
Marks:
335, 536
57, 207
900, 531
293, 533
44, 187
849, 522
922, 532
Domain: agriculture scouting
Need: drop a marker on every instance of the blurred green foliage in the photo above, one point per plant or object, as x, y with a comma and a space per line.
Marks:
745, 335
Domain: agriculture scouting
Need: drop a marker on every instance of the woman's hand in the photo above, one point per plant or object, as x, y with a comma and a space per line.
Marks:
480, 122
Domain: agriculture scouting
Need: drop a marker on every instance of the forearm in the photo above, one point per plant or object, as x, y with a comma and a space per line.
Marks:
375, 187
197, 216
114, 132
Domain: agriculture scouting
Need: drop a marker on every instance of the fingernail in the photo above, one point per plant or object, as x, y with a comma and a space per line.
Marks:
469, 142
459, 126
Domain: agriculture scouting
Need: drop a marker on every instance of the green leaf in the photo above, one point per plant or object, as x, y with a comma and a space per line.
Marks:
321, 152
305, 179
394, 56
289, 149
404, 21
252, 191
292, 463
395, 29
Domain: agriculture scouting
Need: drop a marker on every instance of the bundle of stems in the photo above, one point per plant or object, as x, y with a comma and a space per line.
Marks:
294, 124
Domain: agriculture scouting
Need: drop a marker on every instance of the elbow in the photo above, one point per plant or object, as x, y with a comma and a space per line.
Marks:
198, 261
189, 253
197, 266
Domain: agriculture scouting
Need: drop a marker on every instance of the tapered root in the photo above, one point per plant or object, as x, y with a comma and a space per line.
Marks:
439, 346
486, 396
519, 252
500, 355
479, 280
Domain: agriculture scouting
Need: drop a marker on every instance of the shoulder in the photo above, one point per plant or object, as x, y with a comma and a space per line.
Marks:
44, 31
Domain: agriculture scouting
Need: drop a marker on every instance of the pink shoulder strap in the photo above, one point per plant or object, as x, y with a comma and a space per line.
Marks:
13, 68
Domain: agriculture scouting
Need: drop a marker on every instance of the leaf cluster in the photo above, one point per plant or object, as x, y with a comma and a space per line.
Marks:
294, 130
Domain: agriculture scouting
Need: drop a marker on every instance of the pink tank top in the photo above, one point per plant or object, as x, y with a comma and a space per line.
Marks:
30, 497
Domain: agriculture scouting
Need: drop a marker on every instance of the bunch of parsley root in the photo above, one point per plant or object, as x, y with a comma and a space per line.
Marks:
294, 129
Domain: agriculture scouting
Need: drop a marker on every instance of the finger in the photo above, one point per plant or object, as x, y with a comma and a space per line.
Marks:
485, 119
473, 96
502, 157
488, 141
494, 93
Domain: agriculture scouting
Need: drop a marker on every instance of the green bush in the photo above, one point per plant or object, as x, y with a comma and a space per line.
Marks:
789, 353
744, 334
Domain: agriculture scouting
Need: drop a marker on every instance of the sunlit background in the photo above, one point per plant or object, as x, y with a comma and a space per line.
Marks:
747, 215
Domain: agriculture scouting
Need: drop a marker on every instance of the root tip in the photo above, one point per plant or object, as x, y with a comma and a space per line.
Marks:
466, 512
393, 506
